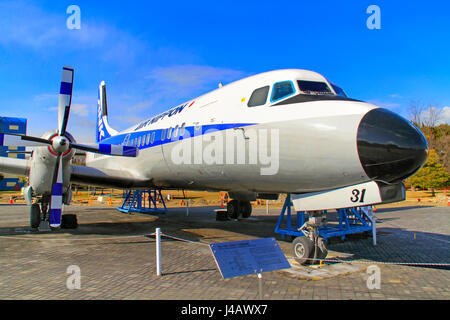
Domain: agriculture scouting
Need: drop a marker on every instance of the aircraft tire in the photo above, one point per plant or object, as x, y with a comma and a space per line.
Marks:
246, 209
69, 221
302, 248
233, 209
35, 215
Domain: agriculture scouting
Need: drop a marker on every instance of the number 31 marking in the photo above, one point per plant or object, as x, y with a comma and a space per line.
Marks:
358, 195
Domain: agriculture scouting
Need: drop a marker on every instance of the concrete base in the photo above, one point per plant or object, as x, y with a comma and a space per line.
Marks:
326, 271
44, 226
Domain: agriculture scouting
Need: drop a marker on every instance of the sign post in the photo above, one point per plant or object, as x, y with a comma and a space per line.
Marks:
158, 251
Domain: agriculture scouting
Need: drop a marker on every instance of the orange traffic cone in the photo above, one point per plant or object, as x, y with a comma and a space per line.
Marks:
11, 201
90, 201
221, 204
110, 202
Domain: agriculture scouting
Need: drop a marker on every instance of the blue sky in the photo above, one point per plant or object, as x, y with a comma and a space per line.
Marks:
155, 55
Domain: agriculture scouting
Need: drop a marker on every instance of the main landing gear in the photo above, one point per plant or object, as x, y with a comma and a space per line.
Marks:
40, 217
237, 209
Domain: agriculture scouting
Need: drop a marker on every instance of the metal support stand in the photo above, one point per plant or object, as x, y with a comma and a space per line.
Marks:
351, 220
143, 201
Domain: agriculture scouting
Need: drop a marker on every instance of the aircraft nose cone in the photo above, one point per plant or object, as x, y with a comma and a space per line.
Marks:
390, 147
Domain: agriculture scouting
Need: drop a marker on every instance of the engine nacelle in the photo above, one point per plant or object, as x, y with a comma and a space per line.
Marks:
43, 164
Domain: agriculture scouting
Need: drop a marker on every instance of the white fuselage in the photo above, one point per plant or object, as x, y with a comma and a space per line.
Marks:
227, 145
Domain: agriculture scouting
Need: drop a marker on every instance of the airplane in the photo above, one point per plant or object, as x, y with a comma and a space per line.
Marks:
285, 131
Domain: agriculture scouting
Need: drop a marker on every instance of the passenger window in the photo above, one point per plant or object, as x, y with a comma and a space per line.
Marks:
163, 134
153, 137
175, 131
182, 129
148, 138
169, 133
282, 90
258, 97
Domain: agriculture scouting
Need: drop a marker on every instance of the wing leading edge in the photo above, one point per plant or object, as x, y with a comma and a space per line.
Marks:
81, 175
107, 178
15, 166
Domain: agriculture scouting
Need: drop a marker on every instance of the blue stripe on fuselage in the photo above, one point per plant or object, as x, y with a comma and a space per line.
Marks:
193, 131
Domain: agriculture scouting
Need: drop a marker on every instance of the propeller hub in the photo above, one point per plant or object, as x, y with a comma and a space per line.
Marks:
60, 144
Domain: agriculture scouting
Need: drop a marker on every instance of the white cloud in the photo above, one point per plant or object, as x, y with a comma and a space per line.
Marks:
187, 76
188, 81
396, 107
141, 105
445, 115
79, 109
26, 25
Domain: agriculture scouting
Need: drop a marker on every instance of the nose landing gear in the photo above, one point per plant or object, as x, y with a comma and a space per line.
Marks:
310, 247
236, 209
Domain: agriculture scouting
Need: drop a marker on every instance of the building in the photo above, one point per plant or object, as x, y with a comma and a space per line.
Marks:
12, 125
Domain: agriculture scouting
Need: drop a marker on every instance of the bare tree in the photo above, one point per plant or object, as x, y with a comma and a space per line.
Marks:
415, 110
432, 116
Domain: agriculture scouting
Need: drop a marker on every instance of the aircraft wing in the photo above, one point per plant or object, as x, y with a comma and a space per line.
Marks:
81, 175
111, 178
15, 166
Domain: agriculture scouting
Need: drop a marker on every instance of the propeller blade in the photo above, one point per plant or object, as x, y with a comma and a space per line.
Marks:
57, 193
65, 99
18, 140
108, 149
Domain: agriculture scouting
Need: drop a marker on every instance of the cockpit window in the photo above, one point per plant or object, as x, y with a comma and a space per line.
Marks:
282, 90
338, 90
314, 87
259, 97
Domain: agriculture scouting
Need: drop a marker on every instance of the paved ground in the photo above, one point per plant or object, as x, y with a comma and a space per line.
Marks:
33, 266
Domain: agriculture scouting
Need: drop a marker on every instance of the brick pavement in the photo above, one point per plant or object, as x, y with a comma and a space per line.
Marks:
124, 268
